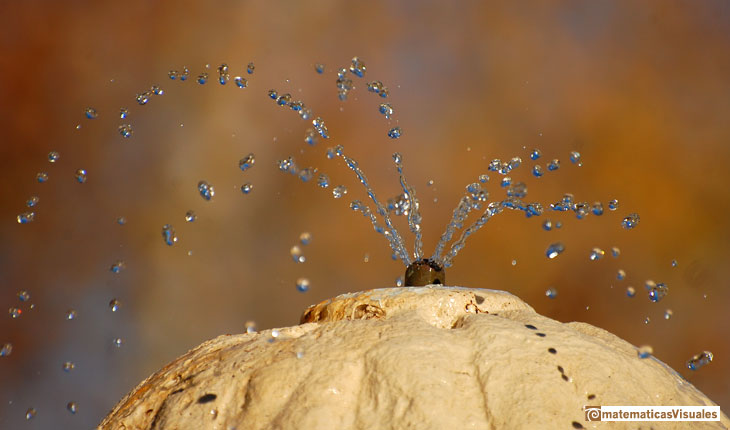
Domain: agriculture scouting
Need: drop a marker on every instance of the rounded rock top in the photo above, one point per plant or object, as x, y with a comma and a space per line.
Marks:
429, 357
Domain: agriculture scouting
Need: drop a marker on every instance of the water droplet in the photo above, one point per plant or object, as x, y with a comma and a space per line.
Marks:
53, 156
339, 191
23, 295
296, 254
575, 158
553, 165
394, 133
323, 181
126, 130
554, 250
247, 162
190, 216
547, 225
123, 113
250, 326
305, 238
185, 74
357, 67
518, 190
172, 74
700, 360
25, 217
114, 305
121, 220
386, 109
117, 341
647, 320
597, 208
596, 254
206, 190
307, 174
68, 366
302, 285
6, 349
319, 68
91, 113
535, 154
645, 351
156, 90
399, 281
615, 252
143, 98
250, 68
668, 314
30, 413
117, 267
537, 171
41, 177
70, 314
15, 312
202, 78
630, 291
505, 182
320, 127
483, 178
283, 100
71, 406
223, 74
246, 188
169, 235
551, 293
80, 176
631, 221
514, 262
613, 205
674, 263
32, 201
273, 94
620, 275
240, 82
656, 291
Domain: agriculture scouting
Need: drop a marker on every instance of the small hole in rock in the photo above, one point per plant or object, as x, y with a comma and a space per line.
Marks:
205, 398
552, 350
479, 299
577, 425
437, 282
591, 396
531, 327
540, 334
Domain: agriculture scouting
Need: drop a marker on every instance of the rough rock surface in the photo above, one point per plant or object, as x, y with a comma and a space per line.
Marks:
399, 358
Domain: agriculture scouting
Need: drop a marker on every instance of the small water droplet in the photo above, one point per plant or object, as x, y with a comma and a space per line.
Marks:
483, 178
30, 413
656, 291
114, 305
143, 98
575, 158
547, 225
551, 293
615, 252
68, 366
323, 181
223, 74
117, 267
319, 68
700, 360
246, 188
240, 82
645, 351
26, 217
80, 176
123, 113
554, 250
126, 130
91, 113
156, 90
121, 220
15, 312
283, 100
71, 406
305, 238
620, 275
185, 74
70, 314
172, 74
250, 326
553, 165
117, 341
296, 254
535, 154
597, 208
202, 78
169, 235
302, 285
505, 182
630, 291
668, 314
514, 262
6, 349
399, 281
23, 295
357, 67
647, 320
190, 216
537, 171
273, 94
41, 177
613, 205
339, 191
321, 128
675, 263
394, 133
53, 156
596, 254
206, 190
631, 221
32, 201
250, 68
386, 109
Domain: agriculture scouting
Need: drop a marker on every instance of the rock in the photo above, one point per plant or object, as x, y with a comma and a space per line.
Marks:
419, 357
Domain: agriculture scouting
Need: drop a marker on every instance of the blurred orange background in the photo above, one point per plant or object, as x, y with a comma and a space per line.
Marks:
639, 88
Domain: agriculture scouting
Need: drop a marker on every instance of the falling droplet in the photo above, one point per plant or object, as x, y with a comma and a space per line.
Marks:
117, 267
283, 100
339, 191
169, 235
615, 252
143, 98
553, 165
202, 78
91, 113
547, 225
305, 238
246, 188
6, 349
302, 285
668, 314
575, 158
71, 314
126, 130
319, 68
223, 74
240, 82
123, 113
41, 177
80, 176
250, 68
630, 291
172, 74
32, 201
15, 312
613, 205
674, 263
30, 413
114, 305
656, 291
23, 295
357, 67
483, 178
551, 293
535, 154
273, 94
206, 190
323, 181
645, 351
53, 156
250, 326
156, 90
620, 275
71, 406
596, 254
321, 128
386, 109
554, 250
597, 208
25, 217
296, 254
647, 320
68, 366
117, 342
399, 281
121, 220
537, 171
506, 182
700, 360
631, 221
394, 133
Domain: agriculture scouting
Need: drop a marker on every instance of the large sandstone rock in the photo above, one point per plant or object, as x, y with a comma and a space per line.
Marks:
399, 358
